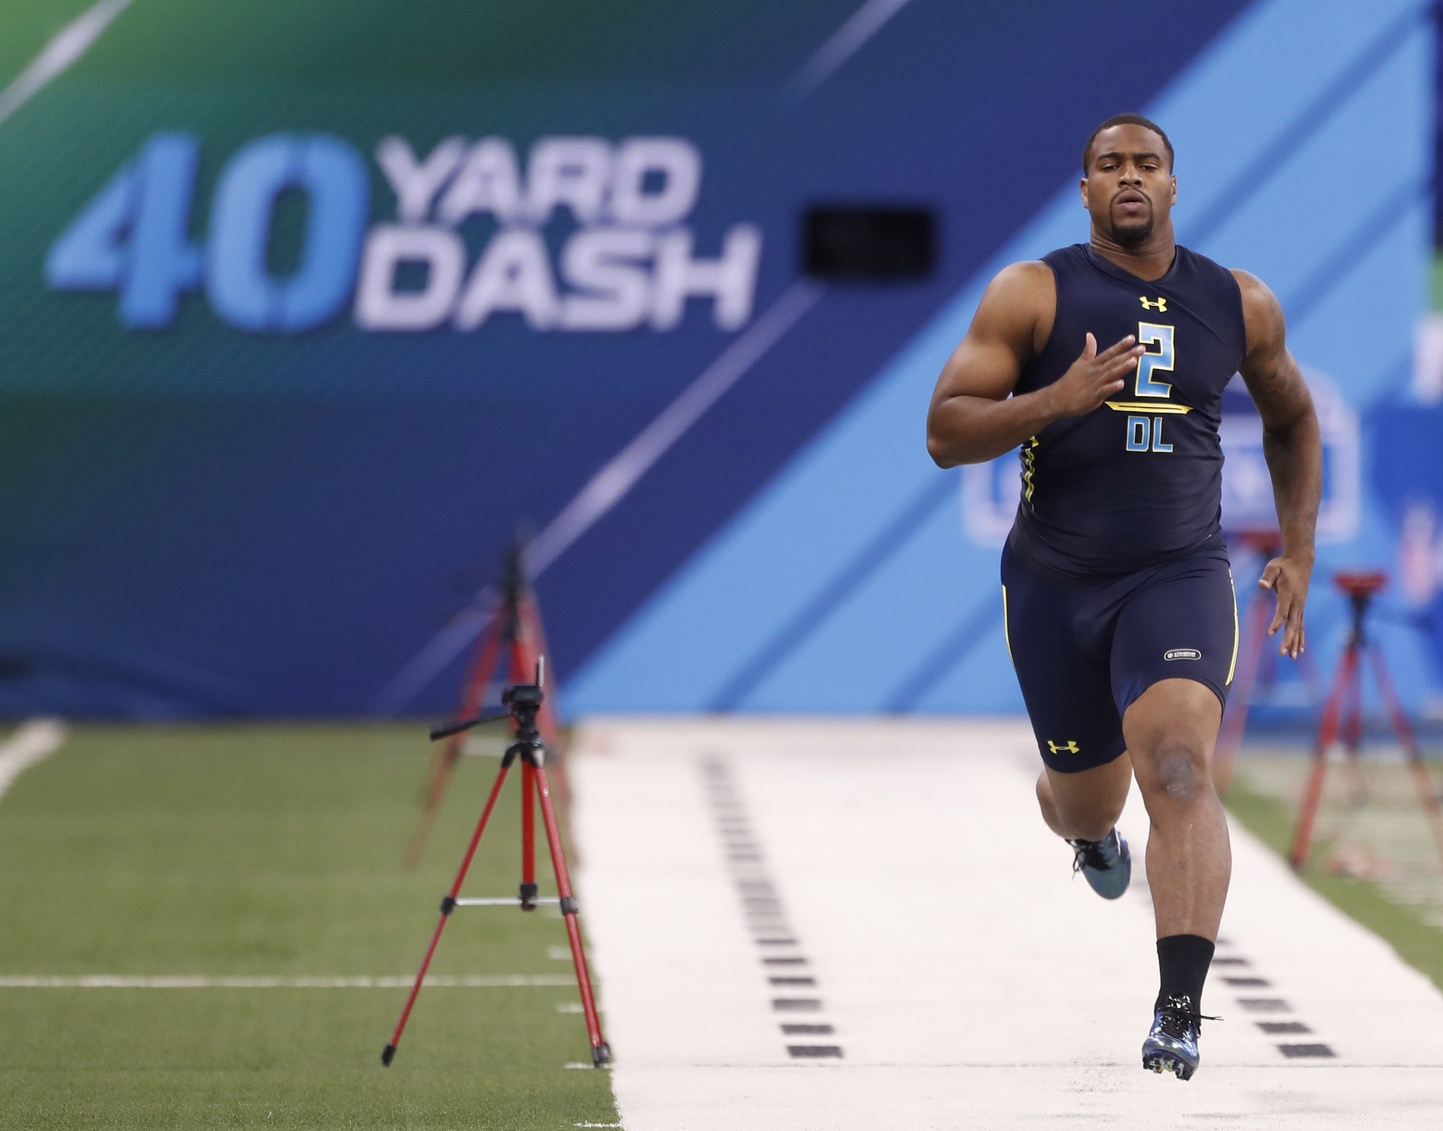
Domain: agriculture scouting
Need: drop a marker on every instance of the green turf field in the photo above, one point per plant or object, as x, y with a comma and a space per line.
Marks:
1264, 797
271, 851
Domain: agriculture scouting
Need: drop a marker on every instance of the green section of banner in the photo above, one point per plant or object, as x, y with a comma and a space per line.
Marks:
553, 43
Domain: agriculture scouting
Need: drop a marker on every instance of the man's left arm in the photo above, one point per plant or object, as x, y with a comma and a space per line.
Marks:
1294, 451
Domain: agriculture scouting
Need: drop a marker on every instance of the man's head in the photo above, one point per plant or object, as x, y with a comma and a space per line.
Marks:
1127, 180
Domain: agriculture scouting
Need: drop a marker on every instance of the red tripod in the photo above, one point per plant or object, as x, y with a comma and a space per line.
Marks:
1343, 713
523, 702
513, 628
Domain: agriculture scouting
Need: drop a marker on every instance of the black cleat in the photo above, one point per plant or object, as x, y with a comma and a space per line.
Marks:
1105, 863
1171, 1046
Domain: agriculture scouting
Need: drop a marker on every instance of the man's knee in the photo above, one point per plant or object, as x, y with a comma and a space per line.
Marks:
1171, 729
1174, 773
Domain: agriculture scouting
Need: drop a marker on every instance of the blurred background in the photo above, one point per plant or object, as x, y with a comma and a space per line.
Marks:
309, 308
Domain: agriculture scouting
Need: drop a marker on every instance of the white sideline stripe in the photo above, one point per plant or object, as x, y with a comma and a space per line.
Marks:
69, 44
609, 485
262, 982
850, 38
34, 741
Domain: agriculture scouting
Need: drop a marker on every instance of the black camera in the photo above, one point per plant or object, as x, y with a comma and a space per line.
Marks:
522, 695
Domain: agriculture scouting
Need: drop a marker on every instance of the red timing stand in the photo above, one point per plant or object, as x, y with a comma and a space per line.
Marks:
1343, 712
513, 627
523, 702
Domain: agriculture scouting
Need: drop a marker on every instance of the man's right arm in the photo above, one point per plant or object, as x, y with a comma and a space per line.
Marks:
974, 417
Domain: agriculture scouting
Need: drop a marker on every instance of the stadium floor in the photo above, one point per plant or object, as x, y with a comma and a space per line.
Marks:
865, 924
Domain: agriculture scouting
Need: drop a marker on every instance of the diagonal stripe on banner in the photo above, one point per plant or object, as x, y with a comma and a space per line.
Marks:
612, 483
60, 53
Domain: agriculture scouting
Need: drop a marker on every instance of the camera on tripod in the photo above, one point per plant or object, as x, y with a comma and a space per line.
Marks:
522, 702
523, 697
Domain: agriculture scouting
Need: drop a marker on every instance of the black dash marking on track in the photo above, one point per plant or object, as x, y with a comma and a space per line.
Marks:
1265, 1004
762, 907
1241, 983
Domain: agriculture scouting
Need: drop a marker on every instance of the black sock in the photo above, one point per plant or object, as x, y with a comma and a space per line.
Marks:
1183, 962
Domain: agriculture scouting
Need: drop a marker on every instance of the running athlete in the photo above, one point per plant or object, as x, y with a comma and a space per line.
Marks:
1106, 362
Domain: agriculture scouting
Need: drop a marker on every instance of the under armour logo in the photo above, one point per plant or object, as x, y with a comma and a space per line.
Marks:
1159, 304
1068, 747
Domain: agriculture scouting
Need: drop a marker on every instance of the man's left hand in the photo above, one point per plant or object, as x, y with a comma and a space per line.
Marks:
1288, 578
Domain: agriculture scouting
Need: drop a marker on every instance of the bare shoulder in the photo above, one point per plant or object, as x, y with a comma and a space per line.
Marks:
1019, 306
1262, 313
1026, 281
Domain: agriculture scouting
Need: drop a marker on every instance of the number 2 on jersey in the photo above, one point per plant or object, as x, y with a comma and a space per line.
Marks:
1151, 334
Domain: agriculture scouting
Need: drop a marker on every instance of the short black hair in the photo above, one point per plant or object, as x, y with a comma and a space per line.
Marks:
1125, 120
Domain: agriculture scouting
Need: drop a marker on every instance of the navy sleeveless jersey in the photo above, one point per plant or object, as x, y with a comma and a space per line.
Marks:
1136, 482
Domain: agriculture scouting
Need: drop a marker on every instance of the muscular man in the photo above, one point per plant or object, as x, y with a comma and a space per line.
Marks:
1106, 363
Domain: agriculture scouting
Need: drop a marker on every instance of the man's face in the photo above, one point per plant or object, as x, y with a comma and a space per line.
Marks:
1129, 188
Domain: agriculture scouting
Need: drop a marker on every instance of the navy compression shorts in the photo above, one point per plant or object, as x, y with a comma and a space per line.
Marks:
1084, 651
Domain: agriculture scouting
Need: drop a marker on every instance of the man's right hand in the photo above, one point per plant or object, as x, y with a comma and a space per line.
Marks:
1093, 377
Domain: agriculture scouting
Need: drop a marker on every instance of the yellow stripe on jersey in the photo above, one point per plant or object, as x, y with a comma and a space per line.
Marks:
1233, 666
1148, 406
1006, 634
1029, 465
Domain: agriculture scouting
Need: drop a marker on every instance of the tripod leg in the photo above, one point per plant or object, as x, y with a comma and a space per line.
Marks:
600, 1050
523, 670
1327, 734
448, 904
488, 652
528, 837
1250, 650
1427, 794
1352, 733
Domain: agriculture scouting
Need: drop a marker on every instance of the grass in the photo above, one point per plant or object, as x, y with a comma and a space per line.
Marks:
1417, 943
270, 850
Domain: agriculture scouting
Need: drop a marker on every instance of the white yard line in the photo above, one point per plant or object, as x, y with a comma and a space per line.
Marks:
32, 742
69, 44
263, 982
965, 977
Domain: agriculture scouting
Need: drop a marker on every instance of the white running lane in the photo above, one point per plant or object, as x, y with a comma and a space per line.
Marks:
968, 979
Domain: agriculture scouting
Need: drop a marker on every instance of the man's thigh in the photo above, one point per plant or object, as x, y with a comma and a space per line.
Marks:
1173, 718
1067, 687
1182, 623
